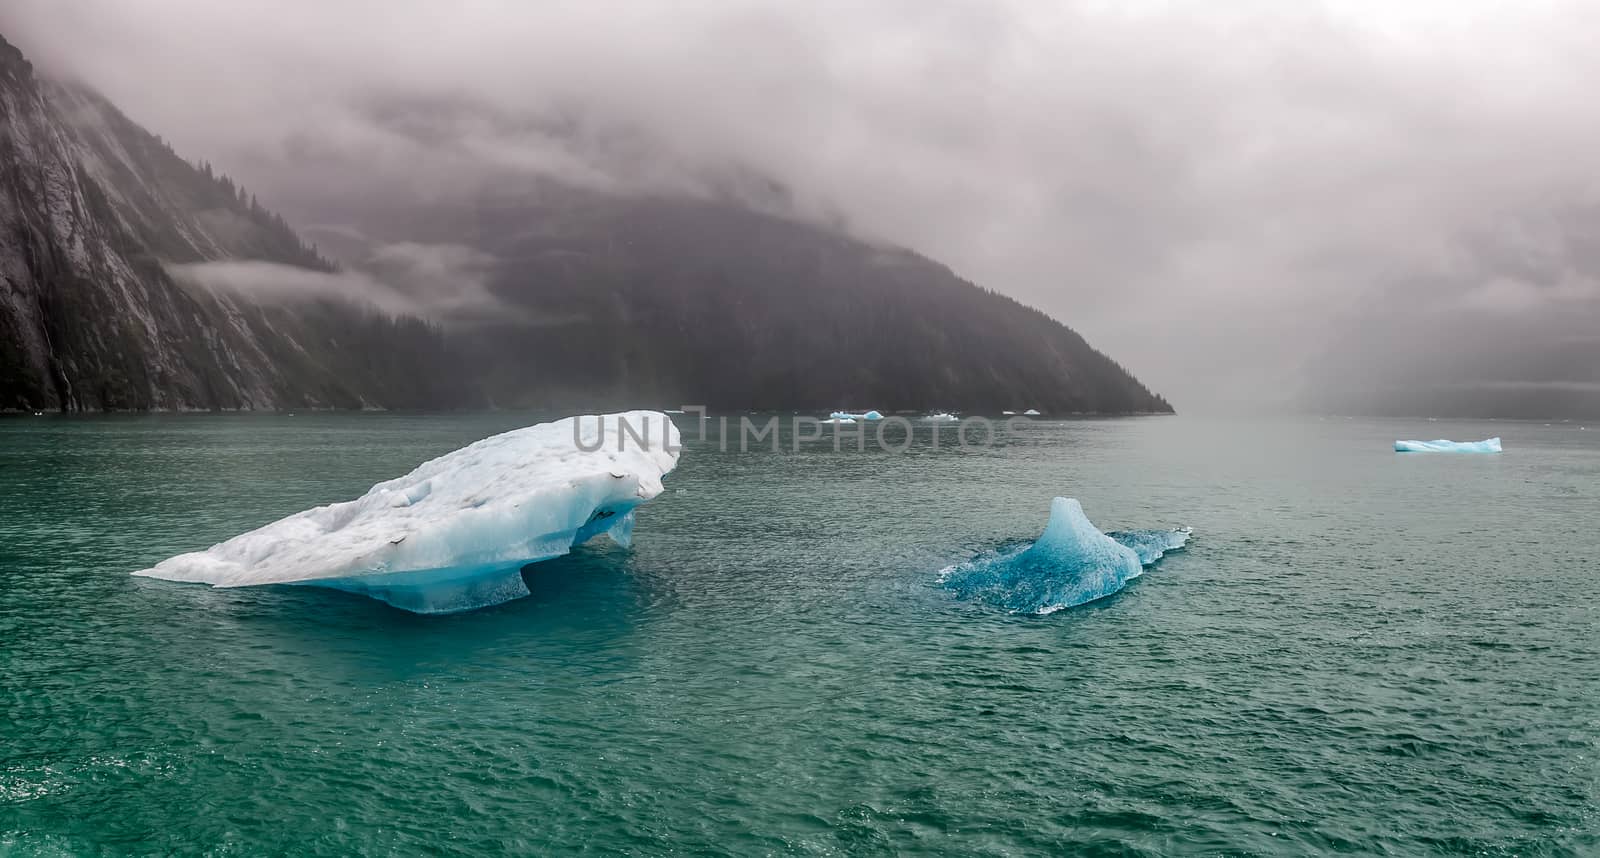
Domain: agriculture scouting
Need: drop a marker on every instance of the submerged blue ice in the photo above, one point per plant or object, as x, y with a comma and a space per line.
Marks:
1491, 445
1152, 545
1073, 562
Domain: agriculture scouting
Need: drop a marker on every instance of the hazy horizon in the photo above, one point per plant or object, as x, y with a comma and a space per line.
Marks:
1255, 206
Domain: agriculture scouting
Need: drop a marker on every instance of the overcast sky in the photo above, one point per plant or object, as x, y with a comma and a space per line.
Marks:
1221, 195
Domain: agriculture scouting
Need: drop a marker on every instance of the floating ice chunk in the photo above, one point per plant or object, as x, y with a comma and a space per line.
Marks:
853, 415
1072, 563
454, 534
840, 421
1008, 413
1491, 445
1031, 412
941, 417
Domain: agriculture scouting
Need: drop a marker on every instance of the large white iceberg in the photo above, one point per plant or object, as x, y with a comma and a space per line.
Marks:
454, 534
855, 415
1492, 445
1073, 562
942, 417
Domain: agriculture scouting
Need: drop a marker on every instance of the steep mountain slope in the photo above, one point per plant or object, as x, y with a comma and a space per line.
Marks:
92, 208
609, 298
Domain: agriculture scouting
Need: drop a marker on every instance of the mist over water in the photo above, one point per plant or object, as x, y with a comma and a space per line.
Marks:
1357, 651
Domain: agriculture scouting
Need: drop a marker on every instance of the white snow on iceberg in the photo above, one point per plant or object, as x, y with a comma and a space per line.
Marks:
942, 417
1491, 445
454, 534
1073, 562
1031, 412
854, 415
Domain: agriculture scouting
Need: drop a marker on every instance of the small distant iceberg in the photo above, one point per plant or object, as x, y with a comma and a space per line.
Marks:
1492, 445
1031, 412
454, 534
1072, 563
1008, 413
941, 417
853, 416
840, 421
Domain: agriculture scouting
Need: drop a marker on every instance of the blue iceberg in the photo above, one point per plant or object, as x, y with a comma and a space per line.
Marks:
855, 415
1073, 562
1491, 445
454, 534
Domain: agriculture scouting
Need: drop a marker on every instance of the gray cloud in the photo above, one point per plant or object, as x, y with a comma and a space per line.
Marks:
444, 282
1225, 197
275, 283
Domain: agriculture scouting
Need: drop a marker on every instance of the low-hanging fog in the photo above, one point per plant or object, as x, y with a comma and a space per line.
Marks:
1266, 203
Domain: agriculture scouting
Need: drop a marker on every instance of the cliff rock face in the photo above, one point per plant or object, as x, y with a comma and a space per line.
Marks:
92, 210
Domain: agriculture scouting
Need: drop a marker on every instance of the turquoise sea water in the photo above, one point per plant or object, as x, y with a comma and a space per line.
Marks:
1359, 652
